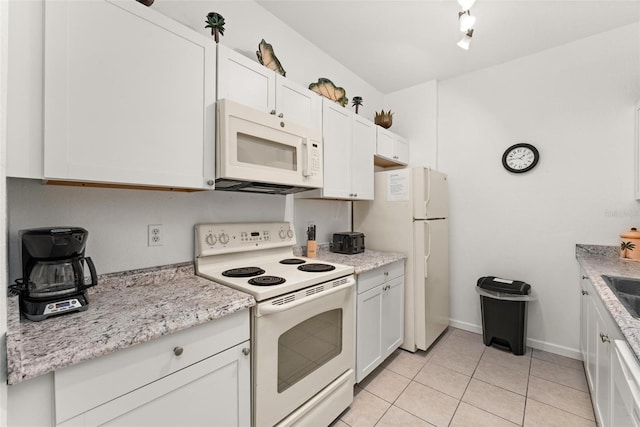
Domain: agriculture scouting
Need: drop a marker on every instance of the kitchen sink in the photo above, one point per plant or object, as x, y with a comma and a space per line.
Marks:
628, 292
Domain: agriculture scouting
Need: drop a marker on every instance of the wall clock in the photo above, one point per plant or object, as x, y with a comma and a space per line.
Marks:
520, 158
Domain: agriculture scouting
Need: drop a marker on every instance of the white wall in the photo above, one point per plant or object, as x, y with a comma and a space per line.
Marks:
3, 205
117, 219
416, 117
575, 103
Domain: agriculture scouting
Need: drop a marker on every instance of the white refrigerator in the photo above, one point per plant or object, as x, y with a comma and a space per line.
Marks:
410, 215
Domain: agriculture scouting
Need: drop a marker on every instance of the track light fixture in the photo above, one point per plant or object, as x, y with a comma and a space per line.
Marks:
466, 40
466, 20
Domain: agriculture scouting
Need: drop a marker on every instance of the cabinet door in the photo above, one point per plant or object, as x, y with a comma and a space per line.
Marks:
603, 373
368, 332
401, 150
585, 301
213, 392
297, 103
362, 152
245, 81
337, 134
592, 340
385, 143
393, 315
130, 106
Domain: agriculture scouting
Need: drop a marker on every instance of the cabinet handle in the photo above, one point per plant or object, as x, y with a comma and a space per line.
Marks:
584, 277
272, 112
210, 182
281, 115
585, 293
386, 273
246, 351
178, 351
355, 194
604, 337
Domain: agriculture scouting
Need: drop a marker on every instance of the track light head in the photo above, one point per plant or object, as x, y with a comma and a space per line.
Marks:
466, 4
466, 40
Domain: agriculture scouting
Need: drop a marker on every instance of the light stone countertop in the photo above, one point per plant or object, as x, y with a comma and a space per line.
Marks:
125, 309
598, 260
368, 260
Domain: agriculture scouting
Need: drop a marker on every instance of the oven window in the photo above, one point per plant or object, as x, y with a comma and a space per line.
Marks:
262, 152
307, 346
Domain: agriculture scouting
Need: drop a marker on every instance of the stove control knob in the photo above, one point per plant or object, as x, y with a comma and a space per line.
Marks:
224, 238
290, 233
210, 239
282, 234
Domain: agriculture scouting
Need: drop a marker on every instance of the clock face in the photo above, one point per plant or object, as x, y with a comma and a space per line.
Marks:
520, 158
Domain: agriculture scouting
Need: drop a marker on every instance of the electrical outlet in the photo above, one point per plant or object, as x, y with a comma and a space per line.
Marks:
155, 235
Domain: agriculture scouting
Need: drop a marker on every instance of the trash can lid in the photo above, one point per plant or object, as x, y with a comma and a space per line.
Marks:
492, 283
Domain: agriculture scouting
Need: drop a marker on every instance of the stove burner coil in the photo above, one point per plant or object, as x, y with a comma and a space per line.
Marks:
243, 272
266, 281
316, 268
292, 261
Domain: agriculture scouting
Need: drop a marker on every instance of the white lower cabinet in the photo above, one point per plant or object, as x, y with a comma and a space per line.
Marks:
379, 316
598, 333
196, 377
199, 376
205, 393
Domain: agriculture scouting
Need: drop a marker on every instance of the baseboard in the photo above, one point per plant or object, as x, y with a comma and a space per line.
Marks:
533, 343
465, 326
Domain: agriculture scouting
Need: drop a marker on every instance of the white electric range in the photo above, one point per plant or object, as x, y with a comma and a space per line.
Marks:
302, 326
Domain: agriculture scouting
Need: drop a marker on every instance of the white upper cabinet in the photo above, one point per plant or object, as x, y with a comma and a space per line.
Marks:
391, 149
362, 158
349, 146
129, 96
250, 83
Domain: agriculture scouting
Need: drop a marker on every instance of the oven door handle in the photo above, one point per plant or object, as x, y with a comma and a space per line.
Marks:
272, 309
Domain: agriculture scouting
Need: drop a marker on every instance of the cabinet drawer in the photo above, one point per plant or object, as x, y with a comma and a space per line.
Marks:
371, 279
87, 385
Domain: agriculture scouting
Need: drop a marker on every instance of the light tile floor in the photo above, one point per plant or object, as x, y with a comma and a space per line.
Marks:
460, 382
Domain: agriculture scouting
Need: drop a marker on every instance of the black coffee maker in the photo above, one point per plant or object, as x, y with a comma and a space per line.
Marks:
53, 268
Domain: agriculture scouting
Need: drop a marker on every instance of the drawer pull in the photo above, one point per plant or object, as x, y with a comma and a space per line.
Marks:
604, 337
178, 351
585, 293
246, 351
584, 277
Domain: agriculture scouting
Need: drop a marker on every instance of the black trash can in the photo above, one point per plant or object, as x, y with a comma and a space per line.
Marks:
504, 312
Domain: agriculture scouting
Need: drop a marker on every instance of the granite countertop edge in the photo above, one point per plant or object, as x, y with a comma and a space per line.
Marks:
595, 261
362, 262
159, 301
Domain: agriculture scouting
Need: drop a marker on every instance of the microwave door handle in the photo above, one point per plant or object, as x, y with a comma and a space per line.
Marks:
306, 157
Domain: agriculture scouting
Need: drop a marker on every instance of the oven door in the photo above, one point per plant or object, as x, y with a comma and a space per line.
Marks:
255, 146
301, 344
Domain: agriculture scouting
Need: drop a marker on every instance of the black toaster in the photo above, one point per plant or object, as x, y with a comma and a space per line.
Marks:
348, 242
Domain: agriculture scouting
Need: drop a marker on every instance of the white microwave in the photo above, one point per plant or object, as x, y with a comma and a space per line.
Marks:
261, 153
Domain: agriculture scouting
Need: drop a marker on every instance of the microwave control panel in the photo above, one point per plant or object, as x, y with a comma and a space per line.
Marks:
213, 239
316, 166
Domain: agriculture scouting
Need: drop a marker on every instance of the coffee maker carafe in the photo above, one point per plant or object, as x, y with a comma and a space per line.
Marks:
53, 267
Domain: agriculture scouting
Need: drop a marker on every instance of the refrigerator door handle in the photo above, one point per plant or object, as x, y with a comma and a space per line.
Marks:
428, 254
